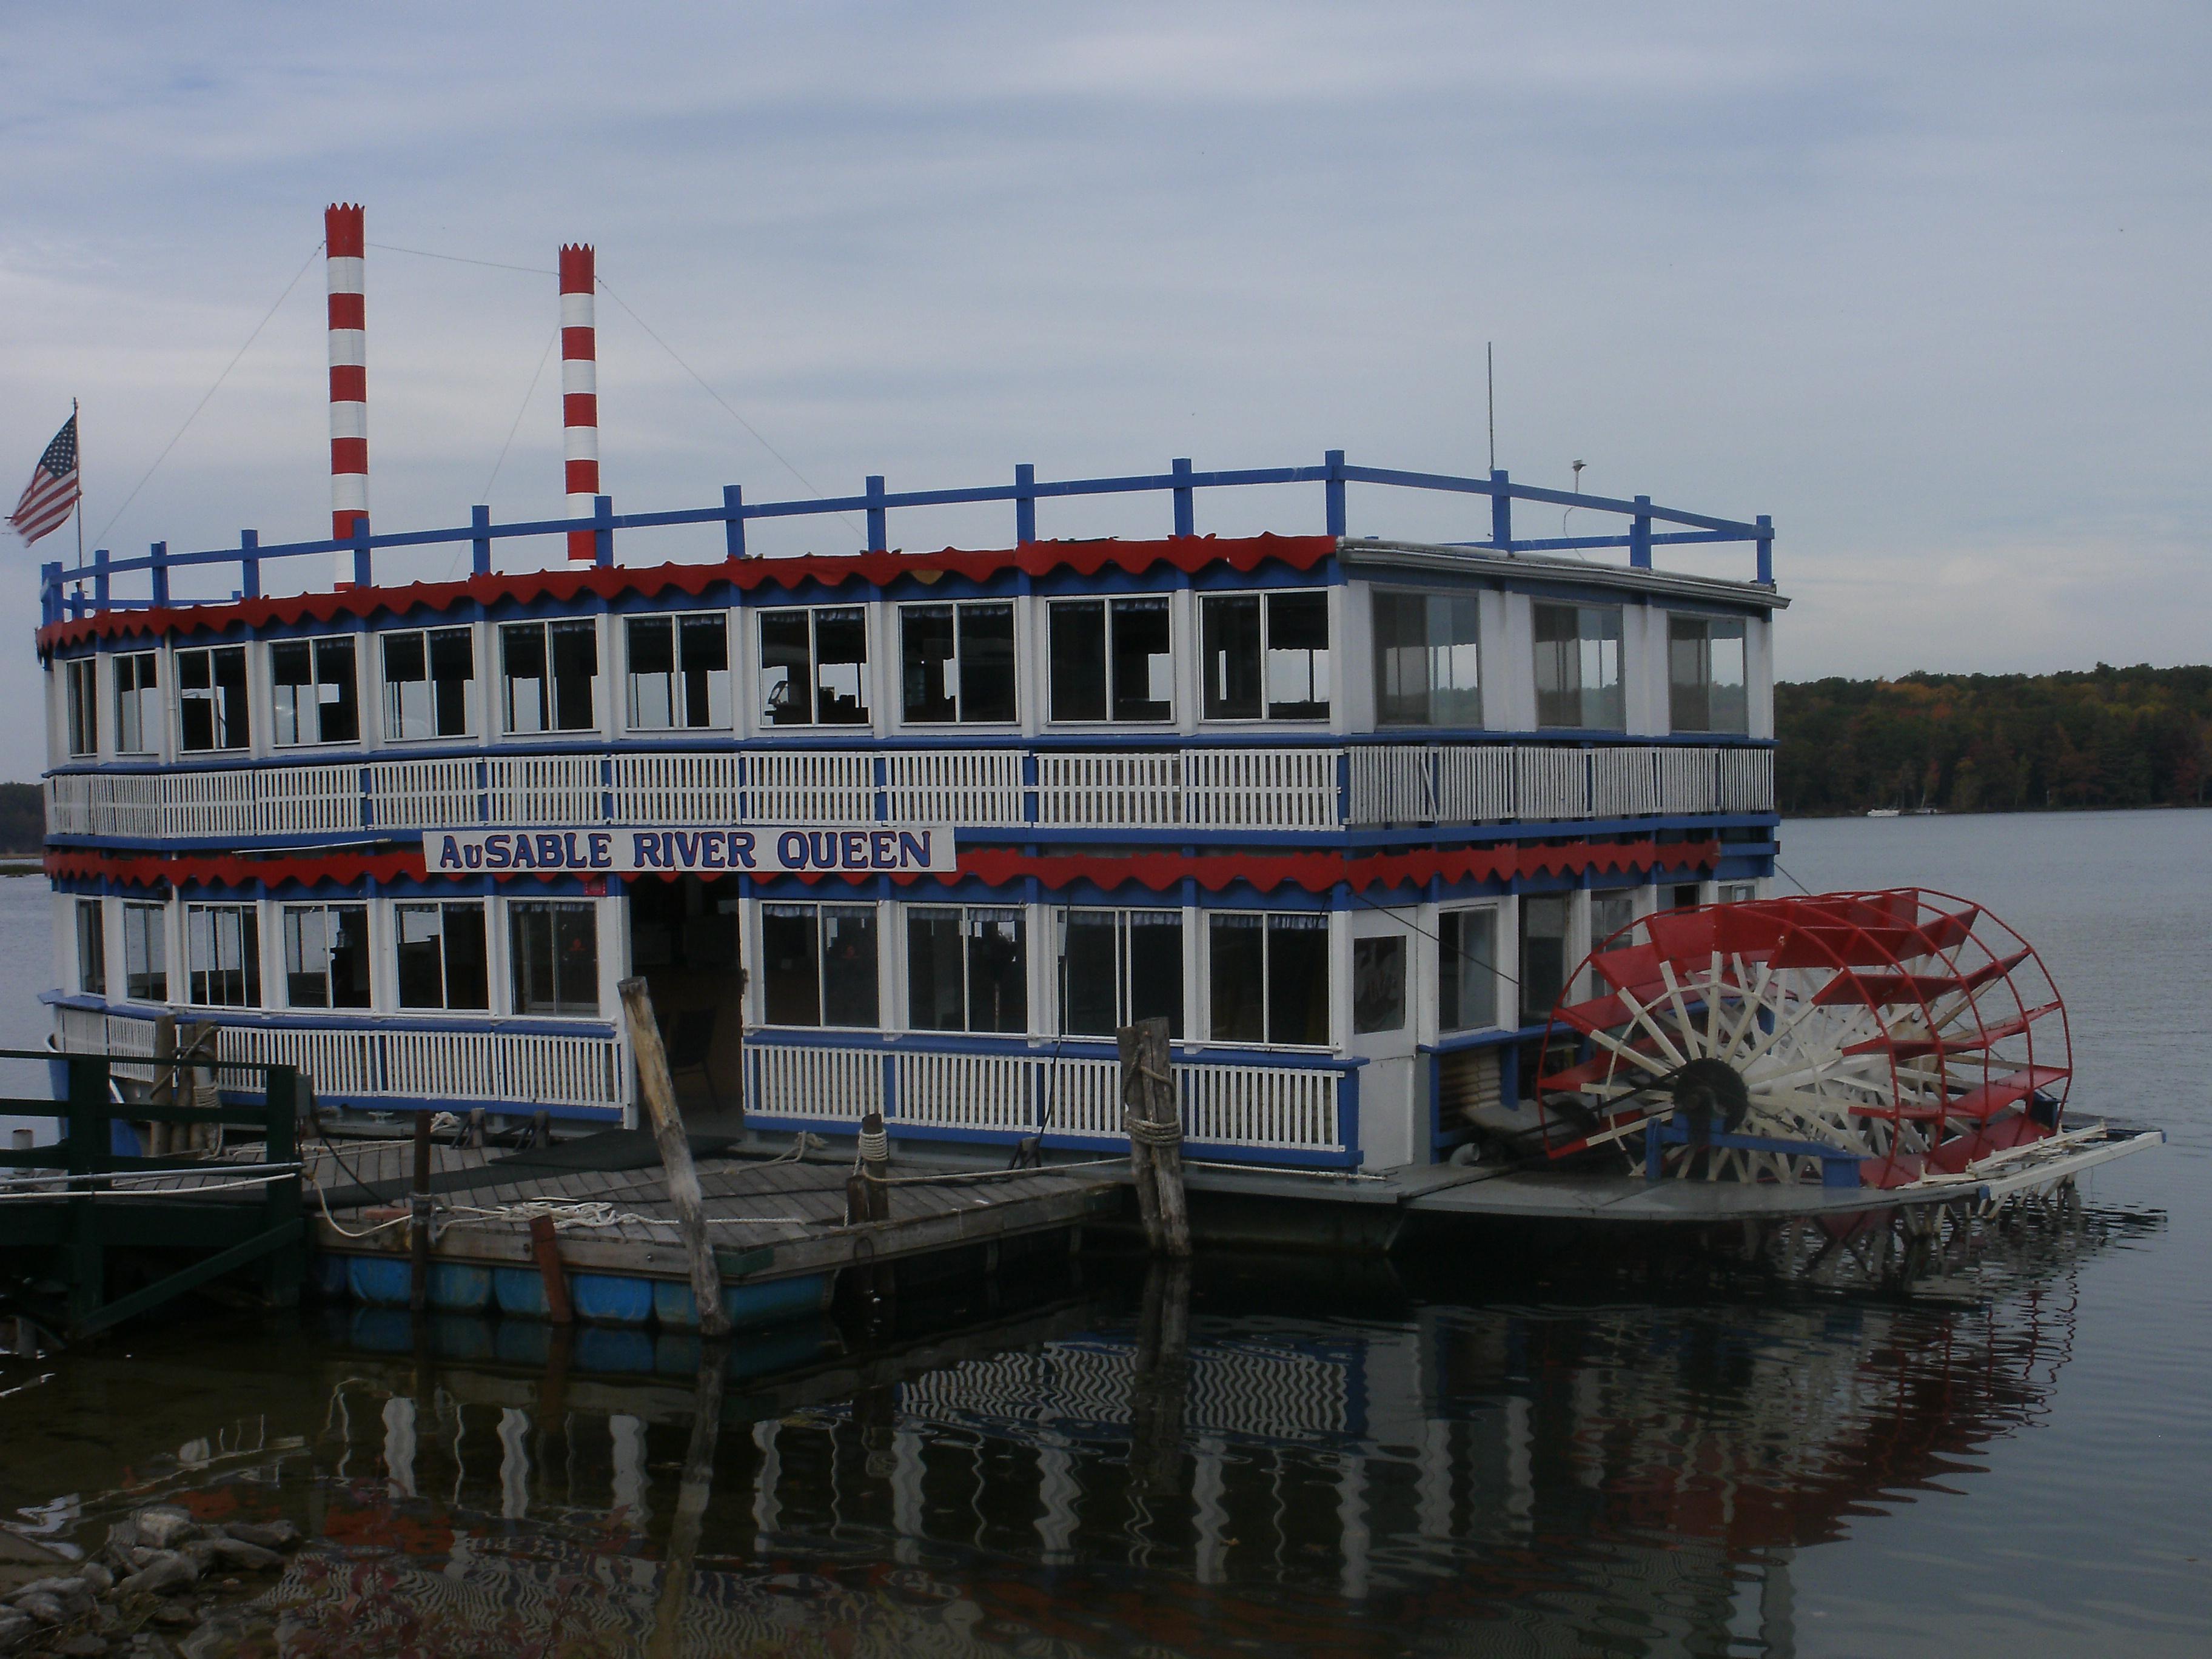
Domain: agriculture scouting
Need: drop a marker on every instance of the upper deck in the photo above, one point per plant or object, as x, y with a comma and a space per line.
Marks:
1179, 688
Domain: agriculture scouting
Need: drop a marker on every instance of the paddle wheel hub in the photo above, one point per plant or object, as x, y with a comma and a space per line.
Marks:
1843, 1038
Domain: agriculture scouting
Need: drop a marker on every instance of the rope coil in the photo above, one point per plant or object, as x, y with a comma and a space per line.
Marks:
875, 1146
1144, 1130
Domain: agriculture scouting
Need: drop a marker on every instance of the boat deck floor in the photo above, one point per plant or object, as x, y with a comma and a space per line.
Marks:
1508, 1193
608, 1198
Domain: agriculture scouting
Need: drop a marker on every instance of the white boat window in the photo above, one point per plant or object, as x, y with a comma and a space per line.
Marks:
553, 947
222, 954
814, 667
1611, 912
1578, 667
1112, 658
967, 969
146, 952
1428, 659
550, 676
441, 955
91, 950
316, 698
679, 672
1466, 970
1268, 977
1117, 967
819, 964
325, 956
957, 662
1705, 674
83, 674
211, 699
138, 702
1265, 656
1378, 984
430, 683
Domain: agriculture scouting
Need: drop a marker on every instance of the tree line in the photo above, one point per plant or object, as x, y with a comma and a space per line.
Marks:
23, 818
1996, 743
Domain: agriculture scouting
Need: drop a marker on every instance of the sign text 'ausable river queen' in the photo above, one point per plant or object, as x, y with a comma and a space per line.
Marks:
761, 849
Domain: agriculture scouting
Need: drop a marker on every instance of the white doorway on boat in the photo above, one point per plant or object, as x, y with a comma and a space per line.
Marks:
683, 941
1388, 1022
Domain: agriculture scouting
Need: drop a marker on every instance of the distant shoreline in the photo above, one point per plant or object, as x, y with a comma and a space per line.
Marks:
1999, 812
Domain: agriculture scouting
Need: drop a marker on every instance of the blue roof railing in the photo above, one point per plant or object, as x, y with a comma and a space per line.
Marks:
63, 593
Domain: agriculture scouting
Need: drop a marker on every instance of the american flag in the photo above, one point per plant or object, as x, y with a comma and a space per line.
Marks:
52, 491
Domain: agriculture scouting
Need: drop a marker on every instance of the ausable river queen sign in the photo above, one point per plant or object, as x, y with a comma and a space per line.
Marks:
758, 849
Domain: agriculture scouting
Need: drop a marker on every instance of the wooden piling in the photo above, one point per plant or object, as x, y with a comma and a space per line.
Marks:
1155, 1136
546, 1250
657, 1090
876, 1165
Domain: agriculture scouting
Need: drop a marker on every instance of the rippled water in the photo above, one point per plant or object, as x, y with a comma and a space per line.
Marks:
1471, 1449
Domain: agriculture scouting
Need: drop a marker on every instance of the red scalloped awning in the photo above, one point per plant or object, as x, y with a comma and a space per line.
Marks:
1186, 553
1315, 872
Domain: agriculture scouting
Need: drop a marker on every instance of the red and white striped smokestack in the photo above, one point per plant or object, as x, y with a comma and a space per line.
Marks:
579, 393
342, 240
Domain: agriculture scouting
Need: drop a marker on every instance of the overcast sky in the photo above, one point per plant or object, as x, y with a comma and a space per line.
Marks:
1926, 282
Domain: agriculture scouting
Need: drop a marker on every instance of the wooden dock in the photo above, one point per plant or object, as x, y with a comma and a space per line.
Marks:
770, 1220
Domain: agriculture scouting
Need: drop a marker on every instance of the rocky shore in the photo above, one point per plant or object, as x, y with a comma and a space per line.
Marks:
162, 1586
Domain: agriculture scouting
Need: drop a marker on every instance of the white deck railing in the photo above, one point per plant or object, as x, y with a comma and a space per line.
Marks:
958, 786
1469, 783
515, 1070
1252, 1105
1214, 788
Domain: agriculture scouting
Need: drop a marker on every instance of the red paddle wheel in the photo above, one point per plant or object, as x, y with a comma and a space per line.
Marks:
1783, 1039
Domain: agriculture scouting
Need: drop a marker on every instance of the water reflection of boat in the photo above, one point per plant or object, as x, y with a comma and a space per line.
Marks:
1107, 1473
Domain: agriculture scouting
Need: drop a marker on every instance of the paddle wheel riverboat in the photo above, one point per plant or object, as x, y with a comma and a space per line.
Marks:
917, 832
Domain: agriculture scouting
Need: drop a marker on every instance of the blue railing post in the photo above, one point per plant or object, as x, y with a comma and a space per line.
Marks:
733, 521
1639, 535
1186, 521
878, 532
76, 601
1024, 502
603, 530
99, 578
158, 556
361, 576
1765, 524
480, 544
1333, 490
1501, 512
249, 563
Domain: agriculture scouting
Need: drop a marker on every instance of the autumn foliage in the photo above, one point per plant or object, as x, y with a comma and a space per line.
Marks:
1996, 742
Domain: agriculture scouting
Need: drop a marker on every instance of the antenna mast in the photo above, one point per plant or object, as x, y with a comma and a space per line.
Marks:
1490, 373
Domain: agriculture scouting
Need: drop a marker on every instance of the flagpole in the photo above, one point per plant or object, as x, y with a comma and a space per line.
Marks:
77, 426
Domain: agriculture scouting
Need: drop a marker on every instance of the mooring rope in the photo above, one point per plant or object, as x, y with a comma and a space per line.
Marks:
1149, 1133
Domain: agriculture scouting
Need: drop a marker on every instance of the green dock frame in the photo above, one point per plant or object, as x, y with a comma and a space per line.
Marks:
65, 1235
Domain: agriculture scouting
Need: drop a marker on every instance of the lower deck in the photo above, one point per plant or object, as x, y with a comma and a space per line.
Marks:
1317, 1026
